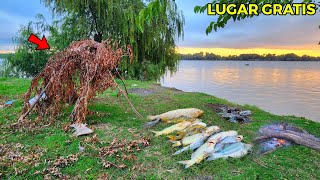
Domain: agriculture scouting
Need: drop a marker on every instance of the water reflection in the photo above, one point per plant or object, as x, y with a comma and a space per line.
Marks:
288, 88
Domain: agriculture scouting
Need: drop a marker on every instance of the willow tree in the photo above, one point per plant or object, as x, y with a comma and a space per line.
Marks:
153, 43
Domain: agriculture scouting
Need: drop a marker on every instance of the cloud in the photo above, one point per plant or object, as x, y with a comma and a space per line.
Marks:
11, 24
258, 32
15, 13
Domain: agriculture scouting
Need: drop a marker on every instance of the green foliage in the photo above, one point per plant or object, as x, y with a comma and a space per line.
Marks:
26, 59
130, 22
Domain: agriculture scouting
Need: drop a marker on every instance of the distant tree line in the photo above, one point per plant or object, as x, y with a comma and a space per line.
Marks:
248, 57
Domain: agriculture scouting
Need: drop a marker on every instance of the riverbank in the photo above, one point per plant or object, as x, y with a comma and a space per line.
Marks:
47, 139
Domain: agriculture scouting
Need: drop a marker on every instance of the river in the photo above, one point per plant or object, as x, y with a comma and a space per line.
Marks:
283, 88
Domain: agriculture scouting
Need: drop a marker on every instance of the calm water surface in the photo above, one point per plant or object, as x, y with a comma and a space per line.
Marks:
284, 88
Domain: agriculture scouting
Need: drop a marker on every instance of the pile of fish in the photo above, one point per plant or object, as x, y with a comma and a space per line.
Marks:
279, 135
191, 133
235, 115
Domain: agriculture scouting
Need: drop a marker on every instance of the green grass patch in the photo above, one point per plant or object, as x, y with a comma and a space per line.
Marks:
115, 119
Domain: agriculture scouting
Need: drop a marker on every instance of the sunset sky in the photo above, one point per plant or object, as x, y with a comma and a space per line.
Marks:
261, 35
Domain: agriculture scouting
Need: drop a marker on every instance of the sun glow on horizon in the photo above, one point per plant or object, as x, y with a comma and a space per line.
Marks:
261, 51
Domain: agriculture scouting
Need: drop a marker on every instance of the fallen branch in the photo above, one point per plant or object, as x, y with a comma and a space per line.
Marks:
289, 133
75, 74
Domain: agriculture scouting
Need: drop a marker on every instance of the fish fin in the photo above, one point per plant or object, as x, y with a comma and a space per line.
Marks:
172, 138
181, 133
151, 123
166, 120
157, 133
152, 117
176, 143
187, 163
182, 150
211, 158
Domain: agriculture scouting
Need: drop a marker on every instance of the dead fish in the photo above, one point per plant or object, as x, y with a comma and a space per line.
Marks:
195, 128
226, 141
202, 152
176, 127
175, 114
233, 150
192, 146
271, 145
191, 139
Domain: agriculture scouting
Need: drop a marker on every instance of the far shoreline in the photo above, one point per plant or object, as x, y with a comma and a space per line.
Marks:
251, 60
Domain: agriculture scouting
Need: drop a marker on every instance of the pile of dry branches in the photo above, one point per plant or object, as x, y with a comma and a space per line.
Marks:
75, 76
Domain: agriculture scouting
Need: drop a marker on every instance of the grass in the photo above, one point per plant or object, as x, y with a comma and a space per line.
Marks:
116, 120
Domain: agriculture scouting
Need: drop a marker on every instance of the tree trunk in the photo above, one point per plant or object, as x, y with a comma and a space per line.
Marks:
98, 37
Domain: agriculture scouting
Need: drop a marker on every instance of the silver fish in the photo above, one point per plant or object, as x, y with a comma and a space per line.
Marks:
234, 150
228, 140
202, 152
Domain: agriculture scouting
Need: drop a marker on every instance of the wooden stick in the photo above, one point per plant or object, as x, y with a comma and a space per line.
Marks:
122, 80
34, 104
127, 98
133, 108
260, 163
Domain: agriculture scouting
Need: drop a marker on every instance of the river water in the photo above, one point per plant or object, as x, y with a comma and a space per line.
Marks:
284, 88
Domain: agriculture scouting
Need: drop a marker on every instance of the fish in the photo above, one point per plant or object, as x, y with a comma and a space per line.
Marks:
191, 130
228, 140
193, 138
271, 145
233, 150
192, 146
176, 127
202, 152
245, 113
175, 114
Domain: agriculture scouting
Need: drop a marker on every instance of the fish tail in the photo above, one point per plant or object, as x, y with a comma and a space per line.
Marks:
177, 152
187, 163
151, 123
172, 138
211, 158
157, 133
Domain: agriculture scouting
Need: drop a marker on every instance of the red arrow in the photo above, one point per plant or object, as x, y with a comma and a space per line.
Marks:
42, 43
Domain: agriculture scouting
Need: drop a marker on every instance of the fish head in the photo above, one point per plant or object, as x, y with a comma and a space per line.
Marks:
239, 138
200, 112
211, 129
199, 122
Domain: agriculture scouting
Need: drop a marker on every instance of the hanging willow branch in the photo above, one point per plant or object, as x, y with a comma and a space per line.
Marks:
76, 75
